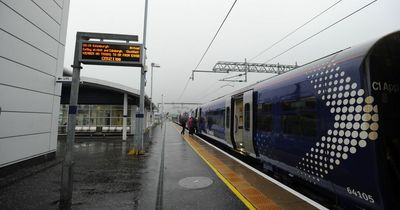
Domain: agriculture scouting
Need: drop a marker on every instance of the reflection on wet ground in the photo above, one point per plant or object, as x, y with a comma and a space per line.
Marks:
104, 177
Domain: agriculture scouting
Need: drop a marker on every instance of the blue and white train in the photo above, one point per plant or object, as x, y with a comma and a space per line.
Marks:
330, 123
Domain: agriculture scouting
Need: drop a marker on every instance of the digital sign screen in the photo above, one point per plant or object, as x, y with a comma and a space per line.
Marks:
106, 53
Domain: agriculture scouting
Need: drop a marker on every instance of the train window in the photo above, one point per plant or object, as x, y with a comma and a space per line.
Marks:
247, 116
265, 108
299, 117
215, 117
310, 103
228, 117
302, 104
291, 124
308, 124
264, 117
289, 105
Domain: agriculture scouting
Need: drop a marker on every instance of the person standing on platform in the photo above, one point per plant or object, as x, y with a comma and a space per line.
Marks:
182, 121
190, 126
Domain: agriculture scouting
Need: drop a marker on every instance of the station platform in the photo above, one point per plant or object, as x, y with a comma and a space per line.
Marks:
176, 172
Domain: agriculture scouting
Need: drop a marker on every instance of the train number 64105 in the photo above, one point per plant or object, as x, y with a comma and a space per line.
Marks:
361, 195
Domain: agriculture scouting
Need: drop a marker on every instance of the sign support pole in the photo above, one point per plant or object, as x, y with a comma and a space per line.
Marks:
68, 163
125, 116
138, 136
130, 55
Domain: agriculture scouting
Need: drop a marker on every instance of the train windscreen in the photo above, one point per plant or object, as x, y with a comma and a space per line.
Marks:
384, 68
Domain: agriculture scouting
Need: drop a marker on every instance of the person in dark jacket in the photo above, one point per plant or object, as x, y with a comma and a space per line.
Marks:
182, 121
190, 126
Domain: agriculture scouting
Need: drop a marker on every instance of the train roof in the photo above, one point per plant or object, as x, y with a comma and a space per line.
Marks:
356, 51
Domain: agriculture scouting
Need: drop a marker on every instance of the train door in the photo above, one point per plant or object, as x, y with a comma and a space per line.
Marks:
242, 122
200, 122
228, 124
238, 122
248, 122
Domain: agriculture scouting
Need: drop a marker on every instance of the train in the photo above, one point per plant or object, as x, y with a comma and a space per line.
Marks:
330, 125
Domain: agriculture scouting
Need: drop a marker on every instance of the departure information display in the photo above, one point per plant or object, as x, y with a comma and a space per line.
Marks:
106, 53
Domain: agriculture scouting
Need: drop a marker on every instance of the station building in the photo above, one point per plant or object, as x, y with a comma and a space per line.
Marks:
32, 39
32, 103
101, 107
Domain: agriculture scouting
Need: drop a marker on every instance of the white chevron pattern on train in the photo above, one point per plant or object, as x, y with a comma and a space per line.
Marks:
329, 125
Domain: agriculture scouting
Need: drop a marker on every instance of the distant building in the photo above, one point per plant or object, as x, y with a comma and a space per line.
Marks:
32, 40
100, 108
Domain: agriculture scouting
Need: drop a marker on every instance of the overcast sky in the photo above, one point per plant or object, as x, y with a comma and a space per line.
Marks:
179, 32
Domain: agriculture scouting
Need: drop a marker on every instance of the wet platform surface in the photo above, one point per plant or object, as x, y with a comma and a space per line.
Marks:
253, 189
176, 172
105, 177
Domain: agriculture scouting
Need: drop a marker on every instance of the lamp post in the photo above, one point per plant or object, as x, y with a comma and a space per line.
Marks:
151, 98
162, 108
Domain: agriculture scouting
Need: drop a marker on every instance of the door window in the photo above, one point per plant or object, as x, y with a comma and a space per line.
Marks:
247, 116
228, 117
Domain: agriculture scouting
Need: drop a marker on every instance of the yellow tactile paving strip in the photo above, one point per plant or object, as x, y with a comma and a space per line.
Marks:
249, 195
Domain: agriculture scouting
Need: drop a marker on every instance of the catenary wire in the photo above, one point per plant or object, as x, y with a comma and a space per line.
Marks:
294, 31
282, 39
211, 90
184, 89
263, 50
207, 90
205, 52
347, 16
215, 36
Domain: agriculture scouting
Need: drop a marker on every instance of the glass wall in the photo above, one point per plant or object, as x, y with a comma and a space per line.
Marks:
99, 118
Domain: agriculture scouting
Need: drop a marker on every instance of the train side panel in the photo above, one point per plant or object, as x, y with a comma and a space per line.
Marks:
328, 97
330, 124
212, 120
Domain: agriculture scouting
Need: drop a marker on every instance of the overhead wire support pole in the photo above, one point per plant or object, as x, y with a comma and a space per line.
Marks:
205, 71
228, 66
227, 79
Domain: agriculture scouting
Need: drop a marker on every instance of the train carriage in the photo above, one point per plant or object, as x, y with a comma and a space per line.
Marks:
330, 123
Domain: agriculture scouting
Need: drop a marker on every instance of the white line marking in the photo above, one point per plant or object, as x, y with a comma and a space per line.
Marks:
294, 192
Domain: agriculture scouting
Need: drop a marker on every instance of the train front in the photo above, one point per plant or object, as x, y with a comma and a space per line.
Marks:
382, 73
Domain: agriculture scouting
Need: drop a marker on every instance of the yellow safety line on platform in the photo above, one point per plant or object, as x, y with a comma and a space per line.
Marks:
135, 152
251, 197
230, 186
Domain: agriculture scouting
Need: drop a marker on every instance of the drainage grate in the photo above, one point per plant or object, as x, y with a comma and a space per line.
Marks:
196, 182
